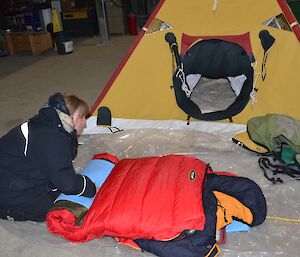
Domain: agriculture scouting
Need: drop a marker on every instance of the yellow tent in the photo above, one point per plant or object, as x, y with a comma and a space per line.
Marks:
139, 90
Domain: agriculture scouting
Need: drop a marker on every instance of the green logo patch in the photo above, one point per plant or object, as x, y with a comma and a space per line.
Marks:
192, 175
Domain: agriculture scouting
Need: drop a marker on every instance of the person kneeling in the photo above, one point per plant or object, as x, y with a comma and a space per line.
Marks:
36, 160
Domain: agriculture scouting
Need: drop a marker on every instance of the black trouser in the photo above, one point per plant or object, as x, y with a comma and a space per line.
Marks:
35, 210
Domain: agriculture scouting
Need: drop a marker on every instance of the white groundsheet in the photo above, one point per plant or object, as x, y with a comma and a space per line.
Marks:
273, 238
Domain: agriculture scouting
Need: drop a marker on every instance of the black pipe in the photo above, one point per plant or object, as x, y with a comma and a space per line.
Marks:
171, 39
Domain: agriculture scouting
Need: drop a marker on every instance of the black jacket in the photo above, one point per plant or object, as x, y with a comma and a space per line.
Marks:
29, 169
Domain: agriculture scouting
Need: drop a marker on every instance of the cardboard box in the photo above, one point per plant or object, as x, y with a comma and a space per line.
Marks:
34, 42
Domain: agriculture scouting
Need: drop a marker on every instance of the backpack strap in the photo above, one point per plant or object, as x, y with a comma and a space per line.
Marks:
267, 41
266, 163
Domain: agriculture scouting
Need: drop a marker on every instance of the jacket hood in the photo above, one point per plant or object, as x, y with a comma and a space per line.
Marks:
49, 118
57, 101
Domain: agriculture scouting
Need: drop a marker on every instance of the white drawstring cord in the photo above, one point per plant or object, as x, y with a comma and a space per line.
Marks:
215, 5
180, 74
25, 132
84, 186
253, 92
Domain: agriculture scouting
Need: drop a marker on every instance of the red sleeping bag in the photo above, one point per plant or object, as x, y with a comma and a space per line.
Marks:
151, 198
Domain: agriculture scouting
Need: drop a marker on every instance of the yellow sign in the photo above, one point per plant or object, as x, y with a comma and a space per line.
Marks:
55, 21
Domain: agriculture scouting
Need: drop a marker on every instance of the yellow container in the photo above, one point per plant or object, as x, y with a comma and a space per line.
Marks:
75, 15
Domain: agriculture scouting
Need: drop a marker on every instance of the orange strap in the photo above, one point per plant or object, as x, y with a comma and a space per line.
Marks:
214, 251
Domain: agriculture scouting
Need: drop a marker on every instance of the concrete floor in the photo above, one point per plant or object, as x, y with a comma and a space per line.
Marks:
26, 81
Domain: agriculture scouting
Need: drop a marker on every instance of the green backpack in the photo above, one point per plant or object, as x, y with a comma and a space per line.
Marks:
280, 135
